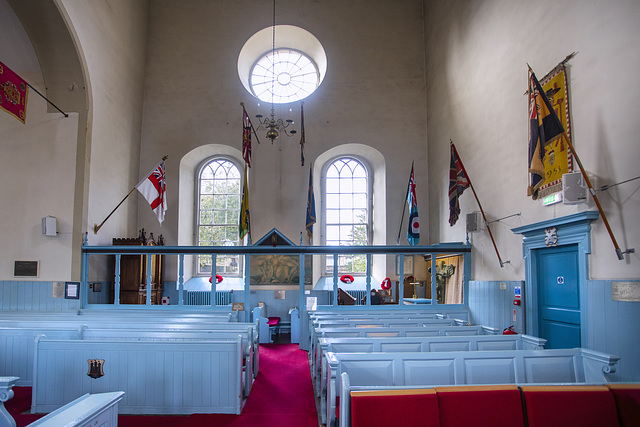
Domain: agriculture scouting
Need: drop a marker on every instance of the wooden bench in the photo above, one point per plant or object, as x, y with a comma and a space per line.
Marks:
89, 410
425, 331
421, 344
463, 368
506, 404
17, 338
158, 377
198, 336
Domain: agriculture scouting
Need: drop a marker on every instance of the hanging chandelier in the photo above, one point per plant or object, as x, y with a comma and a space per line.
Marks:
275, 126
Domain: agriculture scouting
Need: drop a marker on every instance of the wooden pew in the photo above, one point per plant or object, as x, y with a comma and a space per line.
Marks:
463, 368
17, 338
89, 410
198, 336
425, 331
495, 405
421, 344
158, 377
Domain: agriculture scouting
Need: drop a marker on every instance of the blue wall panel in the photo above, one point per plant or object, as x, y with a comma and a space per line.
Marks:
491, 306
614, 327
33, 296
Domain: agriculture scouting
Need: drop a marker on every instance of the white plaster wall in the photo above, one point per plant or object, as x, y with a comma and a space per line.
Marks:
111, 38
37, 168
477, 55
373, 94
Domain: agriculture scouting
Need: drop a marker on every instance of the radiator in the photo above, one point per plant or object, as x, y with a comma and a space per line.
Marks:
204, 298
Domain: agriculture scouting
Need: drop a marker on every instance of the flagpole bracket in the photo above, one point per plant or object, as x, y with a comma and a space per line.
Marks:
502, 263
621, 253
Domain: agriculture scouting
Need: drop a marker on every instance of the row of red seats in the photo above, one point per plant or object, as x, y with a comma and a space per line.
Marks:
500, 405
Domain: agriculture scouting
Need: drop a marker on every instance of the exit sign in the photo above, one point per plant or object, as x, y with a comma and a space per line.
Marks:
551, 199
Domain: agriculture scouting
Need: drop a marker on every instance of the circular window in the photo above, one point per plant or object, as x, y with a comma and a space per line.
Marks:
282, 76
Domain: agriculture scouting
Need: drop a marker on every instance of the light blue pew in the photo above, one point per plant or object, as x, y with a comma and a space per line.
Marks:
568, 366
199, 336
17, 346
158, 377
89, 410
17, 338
421, 344
424, 331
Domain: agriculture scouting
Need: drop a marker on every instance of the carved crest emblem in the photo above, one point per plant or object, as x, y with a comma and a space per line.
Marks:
551, 236
95, 368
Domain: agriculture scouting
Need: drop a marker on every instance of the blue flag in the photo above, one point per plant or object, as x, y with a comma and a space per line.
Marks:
311, 208
413, 232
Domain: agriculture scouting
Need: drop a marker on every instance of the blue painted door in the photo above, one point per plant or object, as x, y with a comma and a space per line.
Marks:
559, 296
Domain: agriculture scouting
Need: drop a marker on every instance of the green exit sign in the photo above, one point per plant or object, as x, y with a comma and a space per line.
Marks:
551, 199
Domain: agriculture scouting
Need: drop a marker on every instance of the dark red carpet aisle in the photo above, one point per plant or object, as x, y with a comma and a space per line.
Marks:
282, 395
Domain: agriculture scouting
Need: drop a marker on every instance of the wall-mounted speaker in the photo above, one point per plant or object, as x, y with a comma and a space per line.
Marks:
474, 222
574, 188
49, 226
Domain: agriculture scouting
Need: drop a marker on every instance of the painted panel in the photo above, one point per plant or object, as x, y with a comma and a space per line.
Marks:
550, 370
497, 345
378, 372
614, 328
450, 346
489, 371
432, 372
400, 348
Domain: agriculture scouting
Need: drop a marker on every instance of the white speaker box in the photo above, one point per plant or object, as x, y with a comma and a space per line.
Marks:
574, 188
49, 226
474, 222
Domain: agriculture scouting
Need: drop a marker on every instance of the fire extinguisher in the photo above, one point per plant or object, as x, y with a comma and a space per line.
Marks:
509, 331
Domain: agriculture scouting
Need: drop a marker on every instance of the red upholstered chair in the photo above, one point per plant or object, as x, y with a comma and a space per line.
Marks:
627, 397
571, 405
273, 324
494, 405
395, 408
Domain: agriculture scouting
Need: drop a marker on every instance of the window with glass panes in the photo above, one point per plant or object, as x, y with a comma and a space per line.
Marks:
347, 218
219, 194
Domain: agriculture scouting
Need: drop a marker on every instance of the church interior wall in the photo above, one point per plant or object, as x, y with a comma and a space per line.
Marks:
476, 79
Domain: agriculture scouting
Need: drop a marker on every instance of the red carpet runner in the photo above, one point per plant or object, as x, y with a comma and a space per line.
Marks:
282, 395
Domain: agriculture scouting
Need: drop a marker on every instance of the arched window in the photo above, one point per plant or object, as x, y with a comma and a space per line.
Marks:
347, 217
218, 213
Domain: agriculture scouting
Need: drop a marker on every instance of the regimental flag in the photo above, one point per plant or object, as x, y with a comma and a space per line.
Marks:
311, 207
413, 230
244, 226
13, 93
246, 137
302, 140
458, 182
153, 188
544, 127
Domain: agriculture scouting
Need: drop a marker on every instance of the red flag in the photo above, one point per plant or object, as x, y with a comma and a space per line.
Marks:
153, 188
246, 137
13, 93
458, 182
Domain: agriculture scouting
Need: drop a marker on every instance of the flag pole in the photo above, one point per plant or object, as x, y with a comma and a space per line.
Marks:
97, 227
619, 252
404, 207
484, 217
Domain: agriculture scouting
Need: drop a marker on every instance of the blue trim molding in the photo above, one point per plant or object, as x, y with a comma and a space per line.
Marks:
570, 229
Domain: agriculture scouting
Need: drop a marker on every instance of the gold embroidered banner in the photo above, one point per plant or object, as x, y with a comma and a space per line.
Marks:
13, 93
558, 158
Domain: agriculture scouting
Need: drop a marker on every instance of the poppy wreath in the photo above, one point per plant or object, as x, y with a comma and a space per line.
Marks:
346, 278
218, 278
386, 283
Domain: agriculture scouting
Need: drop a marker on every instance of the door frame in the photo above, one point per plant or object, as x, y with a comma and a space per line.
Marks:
570, 229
